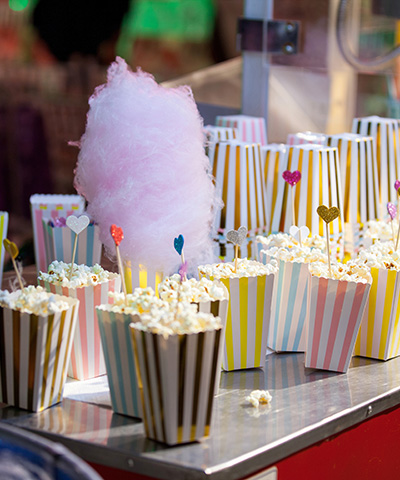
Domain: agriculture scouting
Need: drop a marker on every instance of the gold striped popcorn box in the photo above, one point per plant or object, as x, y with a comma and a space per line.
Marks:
288, 324
335, 309
119, 359
47, 207
250, 129
320, 184
177, 376
247, 323
359, 179
300, 138
385, 132
87, 359
273, 159
3, 235
141, 277
59, 244
239, 177
217, 134
379, 335
34, 355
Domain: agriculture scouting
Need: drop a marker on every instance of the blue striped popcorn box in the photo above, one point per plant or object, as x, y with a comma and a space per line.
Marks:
119, 359
59, 244
34, 355
287, 328
177, 376
48, 207
3, 235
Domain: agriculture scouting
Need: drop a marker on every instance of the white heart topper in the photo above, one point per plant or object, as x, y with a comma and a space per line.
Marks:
77, 224
237, 236
304, 231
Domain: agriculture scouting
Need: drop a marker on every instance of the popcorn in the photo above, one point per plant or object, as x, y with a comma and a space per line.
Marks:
380, 255
245, 268
284, 240
82, 275
259, 396
349, 272
192, 290
182, 319
380, 230
296, 254
32, 300
142, 300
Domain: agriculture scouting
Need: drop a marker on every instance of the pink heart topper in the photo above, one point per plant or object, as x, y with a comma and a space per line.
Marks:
291, 177
392, 210
397, 185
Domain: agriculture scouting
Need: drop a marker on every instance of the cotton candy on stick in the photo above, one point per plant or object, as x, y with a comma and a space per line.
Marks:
142, 166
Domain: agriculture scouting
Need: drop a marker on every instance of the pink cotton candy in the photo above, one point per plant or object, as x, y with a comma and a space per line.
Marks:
142, 167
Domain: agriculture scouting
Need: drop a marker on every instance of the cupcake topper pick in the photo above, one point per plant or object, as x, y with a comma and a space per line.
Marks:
392, 211
12, 249
77, 225
178, 245
118, 235
292, 178
397, 188
237, 238
328, 215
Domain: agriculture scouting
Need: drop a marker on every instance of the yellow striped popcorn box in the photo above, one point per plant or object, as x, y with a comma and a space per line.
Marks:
359, 179
141, 277
320, 184
47, 207
250, 129
34, 355
3, 235
335, 309
300, 138
120, 362
385, 132
379, 335
87, 359
59, 244
273, 159
217, 134
239, 175
177, 376
247, 322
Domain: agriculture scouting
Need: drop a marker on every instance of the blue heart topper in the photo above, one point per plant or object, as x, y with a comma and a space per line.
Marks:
178, 244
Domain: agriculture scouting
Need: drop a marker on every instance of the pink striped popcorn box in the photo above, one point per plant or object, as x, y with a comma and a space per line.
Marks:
47, 207
335, 309
177, 376
250, 129
87, 359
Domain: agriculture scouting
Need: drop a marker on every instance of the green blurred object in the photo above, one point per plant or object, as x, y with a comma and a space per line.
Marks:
18, 5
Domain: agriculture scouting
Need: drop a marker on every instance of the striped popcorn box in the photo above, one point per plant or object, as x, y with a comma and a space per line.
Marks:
247, 322
250, 129
217, 134
239, 176
87, 359
120, 362
335, 309
34, 355
320, 184
177, 376
359, 179
273, 158
385, 132
287, 328
59, 243
301, 138
379, 335
3, 235
141, 277
47, 207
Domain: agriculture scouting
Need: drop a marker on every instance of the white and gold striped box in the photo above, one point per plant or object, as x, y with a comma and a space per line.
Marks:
34, 355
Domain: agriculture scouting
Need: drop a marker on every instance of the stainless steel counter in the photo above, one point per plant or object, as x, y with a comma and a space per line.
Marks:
307, 406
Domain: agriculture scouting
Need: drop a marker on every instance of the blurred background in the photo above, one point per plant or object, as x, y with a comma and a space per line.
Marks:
53, 53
